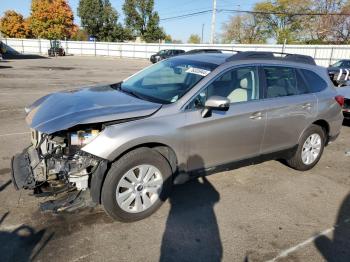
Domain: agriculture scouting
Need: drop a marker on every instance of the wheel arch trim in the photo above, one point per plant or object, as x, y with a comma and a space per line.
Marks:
99, 175
320, 122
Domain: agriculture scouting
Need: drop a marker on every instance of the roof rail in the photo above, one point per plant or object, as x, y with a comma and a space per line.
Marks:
304, 59
205, 49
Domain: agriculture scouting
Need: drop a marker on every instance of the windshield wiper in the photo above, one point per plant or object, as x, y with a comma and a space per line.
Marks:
129, 92
142, 96
117, 86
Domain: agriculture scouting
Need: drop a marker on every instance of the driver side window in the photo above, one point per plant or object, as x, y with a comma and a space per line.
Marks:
238, 85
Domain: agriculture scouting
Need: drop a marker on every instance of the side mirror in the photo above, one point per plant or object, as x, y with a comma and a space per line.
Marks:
215, 103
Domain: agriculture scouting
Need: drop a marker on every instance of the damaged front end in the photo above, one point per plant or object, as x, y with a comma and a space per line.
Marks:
62, 123
54, 163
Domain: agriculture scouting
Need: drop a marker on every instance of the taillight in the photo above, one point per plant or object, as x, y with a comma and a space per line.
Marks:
340, 100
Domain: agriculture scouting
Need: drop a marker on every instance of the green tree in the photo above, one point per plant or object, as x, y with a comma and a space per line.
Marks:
194, 39
142, 20
80, 35
243, 29
168, 39
327, 29
277, 19
100, 19
52, 19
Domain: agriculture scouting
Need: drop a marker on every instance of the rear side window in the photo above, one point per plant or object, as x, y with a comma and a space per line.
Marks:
314, 82
280, 81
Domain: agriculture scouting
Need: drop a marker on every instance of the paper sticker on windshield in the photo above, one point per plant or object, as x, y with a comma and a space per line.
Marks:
198, 71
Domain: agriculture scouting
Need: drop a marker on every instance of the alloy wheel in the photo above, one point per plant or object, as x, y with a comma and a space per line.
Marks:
311, 149
139, 188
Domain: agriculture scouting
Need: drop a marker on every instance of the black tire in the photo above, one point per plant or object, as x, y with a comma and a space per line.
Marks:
296, 161
119, 168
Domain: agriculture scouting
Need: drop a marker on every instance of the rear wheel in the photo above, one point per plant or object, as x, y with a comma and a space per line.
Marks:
310, 149
136, 185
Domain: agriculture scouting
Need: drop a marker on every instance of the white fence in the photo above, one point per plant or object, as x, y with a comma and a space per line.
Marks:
323, 54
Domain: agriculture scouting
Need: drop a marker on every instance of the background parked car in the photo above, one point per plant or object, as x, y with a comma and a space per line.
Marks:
340, 72
2, 50
164, 54
345, 92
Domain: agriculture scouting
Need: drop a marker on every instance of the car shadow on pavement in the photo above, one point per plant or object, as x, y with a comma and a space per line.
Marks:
192, 232
338, 248
5, 67
6, 184
18, 56
21, 244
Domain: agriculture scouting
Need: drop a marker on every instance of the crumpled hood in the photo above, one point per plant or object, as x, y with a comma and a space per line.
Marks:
62, 110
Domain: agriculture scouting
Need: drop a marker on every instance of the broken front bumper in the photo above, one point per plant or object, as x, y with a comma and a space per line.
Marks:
22, 173
82, 172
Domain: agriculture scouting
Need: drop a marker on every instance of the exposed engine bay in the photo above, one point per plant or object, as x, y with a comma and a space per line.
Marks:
61, 124
55, 163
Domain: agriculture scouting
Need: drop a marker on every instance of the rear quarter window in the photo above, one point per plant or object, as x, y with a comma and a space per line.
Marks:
313, 81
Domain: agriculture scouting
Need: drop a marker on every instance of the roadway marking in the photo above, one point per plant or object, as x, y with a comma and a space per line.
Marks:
10, 227
11, 110
288, 251
14, 134
31, 93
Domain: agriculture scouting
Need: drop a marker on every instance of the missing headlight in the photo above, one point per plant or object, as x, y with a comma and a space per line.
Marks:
83, 137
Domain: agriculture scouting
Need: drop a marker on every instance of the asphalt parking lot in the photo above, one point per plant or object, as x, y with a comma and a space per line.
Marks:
257, 213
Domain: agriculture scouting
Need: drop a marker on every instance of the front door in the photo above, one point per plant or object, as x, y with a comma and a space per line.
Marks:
229, 136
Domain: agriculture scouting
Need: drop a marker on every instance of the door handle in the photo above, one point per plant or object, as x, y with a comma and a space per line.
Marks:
306, 106
256, 116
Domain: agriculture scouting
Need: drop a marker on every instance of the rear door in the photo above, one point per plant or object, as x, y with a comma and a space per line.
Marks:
291, 108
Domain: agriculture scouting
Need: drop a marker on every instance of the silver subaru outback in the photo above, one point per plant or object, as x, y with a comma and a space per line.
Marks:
126, 144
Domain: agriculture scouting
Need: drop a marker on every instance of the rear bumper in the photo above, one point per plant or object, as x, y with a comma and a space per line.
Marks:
346, 113
22, 173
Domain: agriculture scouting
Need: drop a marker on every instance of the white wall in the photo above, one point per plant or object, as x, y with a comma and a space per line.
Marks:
323, 54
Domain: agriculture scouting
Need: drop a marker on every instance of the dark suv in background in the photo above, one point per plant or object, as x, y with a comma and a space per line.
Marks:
164, 54
340, 72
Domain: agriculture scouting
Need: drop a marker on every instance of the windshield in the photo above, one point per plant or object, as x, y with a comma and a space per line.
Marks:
337, 64
167, 81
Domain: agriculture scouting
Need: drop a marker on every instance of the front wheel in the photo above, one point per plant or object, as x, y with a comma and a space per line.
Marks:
136, 185
310, 149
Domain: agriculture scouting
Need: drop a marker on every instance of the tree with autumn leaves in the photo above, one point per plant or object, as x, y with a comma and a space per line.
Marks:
53, 19
14, 25
279, 20
50, 19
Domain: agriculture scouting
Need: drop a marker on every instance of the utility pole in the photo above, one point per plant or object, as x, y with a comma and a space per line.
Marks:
202, 39
213, 21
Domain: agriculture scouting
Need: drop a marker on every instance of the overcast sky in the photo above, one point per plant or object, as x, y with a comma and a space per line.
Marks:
178, 28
